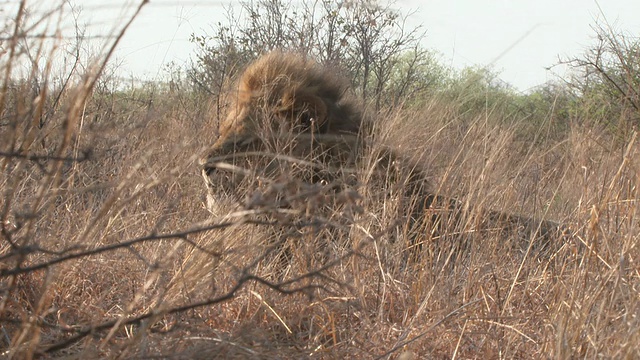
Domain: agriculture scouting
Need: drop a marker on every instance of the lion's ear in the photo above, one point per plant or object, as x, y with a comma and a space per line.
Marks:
311, 112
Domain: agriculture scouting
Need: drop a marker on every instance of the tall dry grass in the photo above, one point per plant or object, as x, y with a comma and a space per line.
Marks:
106, 249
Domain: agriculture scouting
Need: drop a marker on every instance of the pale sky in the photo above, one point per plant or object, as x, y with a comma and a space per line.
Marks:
519, 38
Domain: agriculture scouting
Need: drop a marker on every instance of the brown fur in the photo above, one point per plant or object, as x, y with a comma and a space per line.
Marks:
292, 93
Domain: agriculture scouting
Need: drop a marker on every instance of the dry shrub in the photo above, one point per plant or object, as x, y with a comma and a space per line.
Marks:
346, 289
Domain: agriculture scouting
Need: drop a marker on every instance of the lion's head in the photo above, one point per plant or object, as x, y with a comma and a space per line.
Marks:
287, 114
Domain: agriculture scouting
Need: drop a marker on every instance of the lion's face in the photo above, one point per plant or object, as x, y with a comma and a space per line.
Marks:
287, 118
254, 120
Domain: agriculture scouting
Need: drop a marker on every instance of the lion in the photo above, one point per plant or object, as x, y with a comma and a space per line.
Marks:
290, 115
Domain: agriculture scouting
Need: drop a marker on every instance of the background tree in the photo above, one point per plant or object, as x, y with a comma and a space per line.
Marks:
606, 79
367, 40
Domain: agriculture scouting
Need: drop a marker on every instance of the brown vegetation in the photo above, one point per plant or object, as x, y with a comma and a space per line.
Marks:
107, 250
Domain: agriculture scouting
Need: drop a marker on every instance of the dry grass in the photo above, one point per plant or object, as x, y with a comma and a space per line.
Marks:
102, 196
